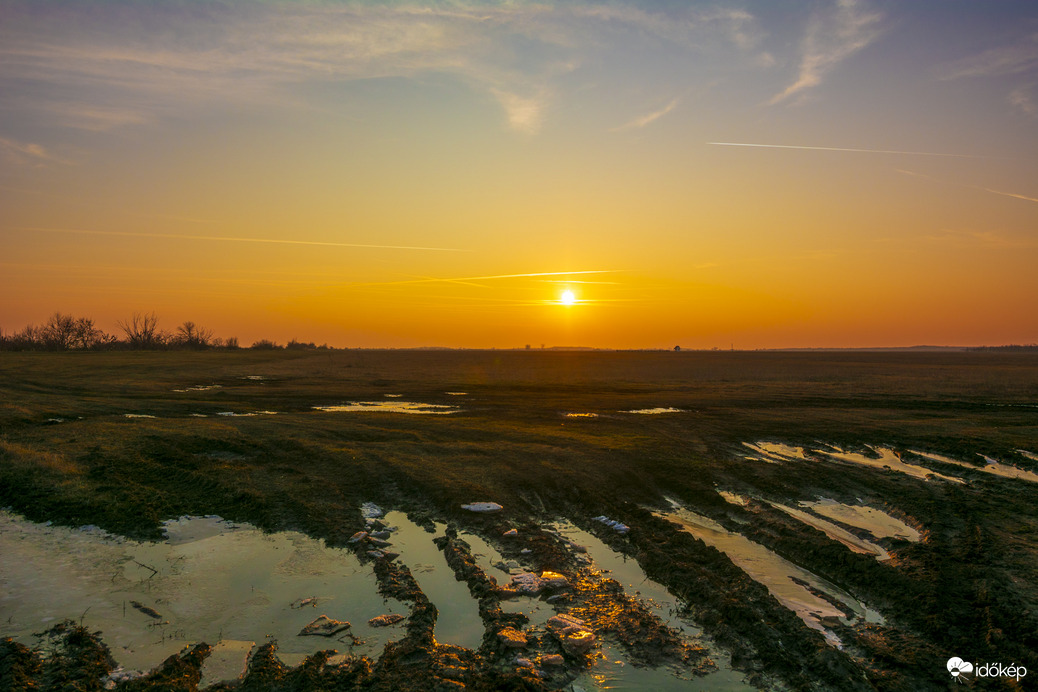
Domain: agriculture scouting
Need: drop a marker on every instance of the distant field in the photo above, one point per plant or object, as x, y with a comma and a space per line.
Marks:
70, 454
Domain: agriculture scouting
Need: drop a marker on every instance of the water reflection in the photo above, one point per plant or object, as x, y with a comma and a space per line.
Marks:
210, 581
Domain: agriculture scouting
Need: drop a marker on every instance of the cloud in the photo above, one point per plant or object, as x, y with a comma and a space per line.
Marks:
27, 153
1015, 58
524, 113
648, 118
1022, 98
104, 66
832, 37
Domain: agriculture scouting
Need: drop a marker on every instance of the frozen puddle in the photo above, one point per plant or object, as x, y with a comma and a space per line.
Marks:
779, 575
990, 466
581, 415
458, 621
653, 411
229, 586
878, 523
199, 388
391, 407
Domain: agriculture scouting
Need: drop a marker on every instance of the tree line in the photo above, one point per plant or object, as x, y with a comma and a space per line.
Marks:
140, 331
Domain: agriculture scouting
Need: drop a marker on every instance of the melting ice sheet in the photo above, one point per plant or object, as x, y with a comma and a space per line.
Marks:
391, 407
458, 621
775, 573
209, 581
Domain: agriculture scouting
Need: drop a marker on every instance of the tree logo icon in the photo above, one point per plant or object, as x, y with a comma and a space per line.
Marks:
957, 667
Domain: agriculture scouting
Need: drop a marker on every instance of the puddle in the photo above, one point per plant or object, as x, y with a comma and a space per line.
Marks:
775, 573
878, 523
232, 414
734, 498
485, 555
653, 411
226, 661
888, 458
581, 415
775, 452
458, 621
199, 388
393, 396
1030, 455
210, 581
990, 466
457, 393
611, 672
391, 407
138, 415
629, 573
836, 533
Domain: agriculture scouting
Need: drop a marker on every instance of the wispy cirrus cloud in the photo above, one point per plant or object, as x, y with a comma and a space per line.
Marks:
1023, 99
27, 153
648, 118
1015, 58
115, 64
832, 36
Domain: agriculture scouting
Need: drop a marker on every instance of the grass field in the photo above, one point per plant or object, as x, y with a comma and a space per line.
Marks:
69, 454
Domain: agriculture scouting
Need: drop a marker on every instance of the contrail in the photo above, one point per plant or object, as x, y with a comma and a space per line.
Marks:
177, 236
972, 187
496, 276
865, 151
1008, 194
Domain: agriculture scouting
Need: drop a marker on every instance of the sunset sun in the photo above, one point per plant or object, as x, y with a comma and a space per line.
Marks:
567, 297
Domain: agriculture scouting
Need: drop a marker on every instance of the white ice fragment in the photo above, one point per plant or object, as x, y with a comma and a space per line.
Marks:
483, 507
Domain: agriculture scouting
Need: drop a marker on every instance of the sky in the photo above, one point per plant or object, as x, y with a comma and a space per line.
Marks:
844, 173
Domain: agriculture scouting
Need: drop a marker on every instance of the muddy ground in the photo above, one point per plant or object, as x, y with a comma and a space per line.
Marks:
69, 454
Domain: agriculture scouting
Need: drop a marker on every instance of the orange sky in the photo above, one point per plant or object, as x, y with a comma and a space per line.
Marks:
424, 175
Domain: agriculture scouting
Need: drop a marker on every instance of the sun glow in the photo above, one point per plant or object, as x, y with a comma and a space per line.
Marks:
567, 297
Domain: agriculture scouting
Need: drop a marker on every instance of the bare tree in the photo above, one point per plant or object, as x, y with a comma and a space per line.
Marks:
191, 335
59, 332
142, 330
